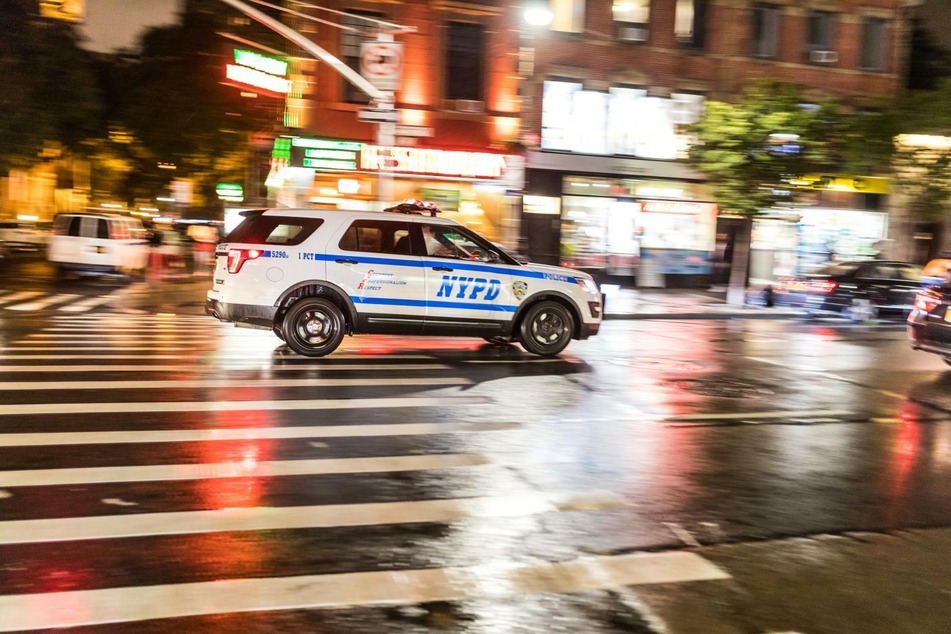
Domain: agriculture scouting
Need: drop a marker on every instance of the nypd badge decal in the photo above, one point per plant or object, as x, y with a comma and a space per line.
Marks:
519, 289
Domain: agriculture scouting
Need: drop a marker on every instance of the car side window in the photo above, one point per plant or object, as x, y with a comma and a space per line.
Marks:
908, 273
447, 241
869, 271
75, 223
377, 236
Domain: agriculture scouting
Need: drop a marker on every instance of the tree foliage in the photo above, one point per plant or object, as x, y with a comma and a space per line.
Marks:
49, 95
749, 150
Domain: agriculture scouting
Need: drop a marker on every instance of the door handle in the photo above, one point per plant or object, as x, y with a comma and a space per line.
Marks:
345, 261
442, 268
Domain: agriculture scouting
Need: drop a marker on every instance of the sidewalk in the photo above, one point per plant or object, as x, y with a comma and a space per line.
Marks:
629, 303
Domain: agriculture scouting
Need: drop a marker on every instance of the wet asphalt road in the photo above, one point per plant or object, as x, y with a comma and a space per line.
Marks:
168, 473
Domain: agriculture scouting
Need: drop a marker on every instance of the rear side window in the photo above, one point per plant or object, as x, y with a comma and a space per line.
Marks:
74, 225
377, 236
260, 229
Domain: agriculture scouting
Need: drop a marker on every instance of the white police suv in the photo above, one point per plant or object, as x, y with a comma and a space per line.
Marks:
313, 276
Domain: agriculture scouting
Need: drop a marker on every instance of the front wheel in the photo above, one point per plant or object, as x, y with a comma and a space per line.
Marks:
546, 329
314, 327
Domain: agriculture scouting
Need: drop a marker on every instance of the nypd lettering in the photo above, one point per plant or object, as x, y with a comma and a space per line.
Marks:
462, 287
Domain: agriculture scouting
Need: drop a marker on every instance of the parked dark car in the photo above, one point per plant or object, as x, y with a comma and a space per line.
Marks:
859, 290
929, 323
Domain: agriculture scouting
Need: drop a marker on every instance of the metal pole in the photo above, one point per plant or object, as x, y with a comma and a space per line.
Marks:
348, 73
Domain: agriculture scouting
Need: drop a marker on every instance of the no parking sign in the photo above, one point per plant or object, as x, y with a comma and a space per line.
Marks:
381, 64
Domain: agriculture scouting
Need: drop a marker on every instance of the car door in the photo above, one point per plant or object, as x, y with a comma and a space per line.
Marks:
468, 289
885, 284
372, 260
904, 285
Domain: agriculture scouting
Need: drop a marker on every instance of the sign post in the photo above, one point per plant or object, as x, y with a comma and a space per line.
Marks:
381, 64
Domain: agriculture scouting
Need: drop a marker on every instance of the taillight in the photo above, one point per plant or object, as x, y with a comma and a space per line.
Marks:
823, 286
926, 302
237, 258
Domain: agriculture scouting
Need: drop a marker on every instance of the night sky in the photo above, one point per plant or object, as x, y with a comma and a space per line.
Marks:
113, 24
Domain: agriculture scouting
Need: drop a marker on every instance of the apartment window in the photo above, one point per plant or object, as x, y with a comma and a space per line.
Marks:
465, 51
689, 22
632, 18
765, 30
873, 44
567, 16
350, 42
821, 38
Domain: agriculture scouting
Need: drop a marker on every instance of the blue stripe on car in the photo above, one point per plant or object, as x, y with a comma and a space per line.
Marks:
417, 303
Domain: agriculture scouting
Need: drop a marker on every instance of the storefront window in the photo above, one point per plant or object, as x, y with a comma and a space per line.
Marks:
622, 121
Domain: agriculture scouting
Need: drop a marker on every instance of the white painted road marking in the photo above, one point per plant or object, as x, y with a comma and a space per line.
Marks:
227, 383
43, 303
17, 297
347, 590
239, 406
244, 469
53, 439
364, 367
87, 304
292, 517
806, 413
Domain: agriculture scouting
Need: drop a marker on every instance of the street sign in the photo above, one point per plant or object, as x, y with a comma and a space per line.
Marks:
381, 64
413, 130
378, 115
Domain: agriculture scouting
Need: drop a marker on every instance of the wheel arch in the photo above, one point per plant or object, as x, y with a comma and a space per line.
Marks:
555, 296
317, 288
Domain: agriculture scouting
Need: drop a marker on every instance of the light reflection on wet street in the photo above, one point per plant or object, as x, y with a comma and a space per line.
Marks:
168, 473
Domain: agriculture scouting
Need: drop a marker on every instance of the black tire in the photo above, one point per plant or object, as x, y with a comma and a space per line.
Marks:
314, 327
546, 329
499, 341
278, 330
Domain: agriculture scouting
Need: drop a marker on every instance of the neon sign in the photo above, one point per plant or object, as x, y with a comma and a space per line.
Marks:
439, 162
258, 79
260, 62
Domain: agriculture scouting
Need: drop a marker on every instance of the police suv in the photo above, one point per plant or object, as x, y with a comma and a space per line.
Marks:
313, 276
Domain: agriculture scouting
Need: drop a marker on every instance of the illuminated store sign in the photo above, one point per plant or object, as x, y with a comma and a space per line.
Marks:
326, 154
438, 162
675, 207
265, 64
863, 185
258, 79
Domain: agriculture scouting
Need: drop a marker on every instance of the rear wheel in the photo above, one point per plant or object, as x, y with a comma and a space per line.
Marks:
546, 328
314, 327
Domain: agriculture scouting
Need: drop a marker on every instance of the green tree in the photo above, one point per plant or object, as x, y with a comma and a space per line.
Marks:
171, 99
49, 95
750, 150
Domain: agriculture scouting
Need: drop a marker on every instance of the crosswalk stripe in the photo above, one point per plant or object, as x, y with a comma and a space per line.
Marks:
87, 304
52, 439
243, 469
238, 406
347, 590
16, 297
39, 304
116, 336
227, 383
286, 518
57, 369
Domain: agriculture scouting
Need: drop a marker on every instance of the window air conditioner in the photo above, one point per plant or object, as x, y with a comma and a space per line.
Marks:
632, 33
470, 106
823, 57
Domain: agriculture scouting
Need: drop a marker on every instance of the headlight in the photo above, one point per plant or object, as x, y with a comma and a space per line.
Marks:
588, 285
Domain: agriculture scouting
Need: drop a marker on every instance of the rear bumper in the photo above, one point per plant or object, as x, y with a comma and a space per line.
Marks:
589, 329
241, 313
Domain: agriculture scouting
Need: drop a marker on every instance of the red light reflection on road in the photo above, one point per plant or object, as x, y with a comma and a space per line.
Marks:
904, 454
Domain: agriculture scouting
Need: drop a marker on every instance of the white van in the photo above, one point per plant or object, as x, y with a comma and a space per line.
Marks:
98, 243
